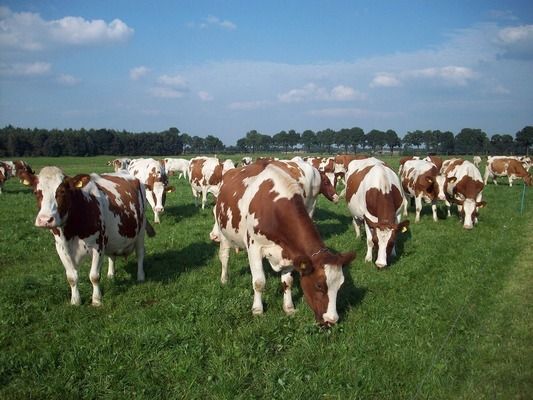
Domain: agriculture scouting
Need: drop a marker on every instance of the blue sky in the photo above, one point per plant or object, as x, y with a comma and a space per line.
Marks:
227, 67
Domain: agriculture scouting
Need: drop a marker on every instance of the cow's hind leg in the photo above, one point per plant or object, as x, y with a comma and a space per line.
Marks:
286, 282
94, 276
139, 252
72, 274
258, 278
111, 267
369, 244
223, 256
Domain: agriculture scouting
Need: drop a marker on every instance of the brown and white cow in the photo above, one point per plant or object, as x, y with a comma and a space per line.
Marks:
205, 176
119, 164
476, 160
246, 160
465, 189
375, 197
261, 208
96, 215
506, 166
153, 176
421, 180
3, 176
10, 169
177, 165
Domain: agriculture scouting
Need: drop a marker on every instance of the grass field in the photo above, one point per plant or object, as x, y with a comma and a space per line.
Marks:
450, 319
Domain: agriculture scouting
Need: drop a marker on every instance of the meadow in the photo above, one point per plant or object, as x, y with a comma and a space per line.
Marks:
449, 319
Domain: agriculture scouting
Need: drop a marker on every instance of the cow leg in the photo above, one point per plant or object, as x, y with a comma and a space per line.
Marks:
156, 218
204, 196
111, 268
139, 252
286, 283
356, 227
94, 276
510, 181
405, 205
486, 177
369, 244
434, 210
258, 278
448, 206
418, 207
195, 195
71, 272
223, 256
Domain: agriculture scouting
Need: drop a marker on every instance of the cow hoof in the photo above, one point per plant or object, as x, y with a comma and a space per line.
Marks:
257, 311
290, 310
368, 259
97, 303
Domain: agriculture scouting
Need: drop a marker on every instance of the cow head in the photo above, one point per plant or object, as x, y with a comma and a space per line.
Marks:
441, 185
528, 180
384, 236
327, 189
54, 192
468, 209
321, 278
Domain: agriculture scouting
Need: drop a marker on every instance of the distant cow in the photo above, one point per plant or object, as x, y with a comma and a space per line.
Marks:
324, 164
152, 174
510, 167
119, 164
477, 161
93, 215
261, 208
10, 169
3, 176
246, 160
177, 165
205, 176
421, 180
375, 198
466, 189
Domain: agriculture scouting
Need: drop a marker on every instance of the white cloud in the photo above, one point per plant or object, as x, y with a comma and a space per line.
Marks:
29, 32
138, 72
212, 21
67, 80
385, 80
205, 96
175, 81
451, 74
516, 34
25, 69
312, 92
516, 41
166, 93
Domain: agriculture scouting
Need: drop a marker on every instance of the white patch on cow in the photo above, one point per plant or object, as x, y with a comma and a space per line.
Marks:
469, 206
49, 180
384, 236
334, 280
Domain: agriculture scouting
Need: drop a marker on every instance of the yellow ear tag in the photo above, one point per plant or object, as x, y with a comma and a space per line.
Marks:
404, 229
303, 266
79, 184
26, 182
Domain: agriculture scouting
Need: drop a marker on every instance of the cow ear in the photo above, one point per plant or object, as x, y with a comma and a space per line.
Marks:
80, 181
402, 226
452, 179
346, 258
303, 265
28, 179
170, 189
481, 204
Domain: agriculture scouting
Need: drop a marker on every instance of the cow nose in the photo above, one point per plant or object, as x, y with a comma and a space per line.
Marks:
159, 209
329, 320
44, 221
468, 227
381, 264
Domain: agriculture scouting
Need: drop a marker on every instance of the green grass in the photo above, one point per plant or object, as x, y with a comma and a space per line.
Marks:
451, 318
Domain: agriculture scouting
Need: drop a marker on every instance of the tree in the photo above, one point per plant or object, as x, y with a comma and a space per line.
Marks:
524, 138
357, 137
376, 139
293, 138
213, 144
326, 138
473, 141
446, 142
342, 139
413, 139
392, 140
281, 140
309, 139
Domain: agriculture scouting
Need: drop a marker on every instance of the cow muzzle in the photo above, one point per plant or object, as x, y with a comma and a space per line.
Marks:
159, 209
45, 221
329, 320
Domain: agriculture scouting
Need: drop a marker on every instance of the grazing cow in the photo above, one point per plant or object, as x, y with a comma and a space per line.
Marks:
466, 189
179, 165
153, 176
261, 208
11, 169
119, 164
421, 180
93, 215
246, 160
3, 176
477, 161
510, 167
403, 160
324, 164
205, 176
375, 198
437, 161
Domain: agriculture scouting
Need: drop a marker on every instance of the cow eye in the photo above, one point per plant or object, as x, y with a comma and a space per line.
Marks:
320, 287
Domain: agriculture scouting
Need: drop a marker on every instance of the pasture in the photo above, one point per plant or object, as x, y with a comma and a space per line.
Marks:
450, 318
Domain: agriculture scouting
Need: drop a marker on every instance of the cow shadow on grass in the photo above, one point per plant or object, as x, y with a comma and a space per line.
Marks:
329, 228
182, 211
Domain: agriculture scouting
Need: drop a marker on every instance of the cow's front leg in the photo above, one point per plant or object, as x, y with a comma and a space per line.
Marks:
448, 206
223, 256
94, 276
111, 268
356, 227
139, 252
286, 282
369, 244
258, 278
418, 207
204, 196
71, 271
434, 210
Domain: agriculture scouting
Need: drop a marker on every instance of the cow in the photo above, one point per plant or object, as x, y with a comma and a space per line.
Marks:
3, 176
477, 161
96, 215
261, 208
375, 197
205, 176
177, 165
437, 161
246, 161
119, 164
466, 189
11, 169
510, 167
403, 160
324, 164
153, 176
421, 180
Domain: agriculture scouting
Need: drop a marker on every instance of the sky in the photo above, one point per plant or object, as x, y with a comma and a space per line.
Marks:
224, 68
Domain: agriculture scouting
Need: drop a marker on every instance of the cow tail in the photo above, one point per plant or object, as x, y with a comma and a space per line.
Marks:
149, 229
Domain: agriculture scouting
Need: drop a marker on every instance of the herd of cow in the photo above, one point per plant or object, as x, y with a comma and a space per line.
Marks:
265, 207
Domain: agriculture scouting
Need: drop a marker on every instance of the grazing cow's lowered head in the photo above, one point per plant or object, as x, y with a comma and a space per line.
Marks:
384, 238
327, 189
321, 277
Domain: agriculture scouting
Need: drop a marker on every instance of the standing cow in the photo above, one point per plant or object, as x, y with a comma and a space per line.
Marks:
205, 176
119, 164
507, 166
152, 174
466, 189
261, 208
177, 165
375, 198
421, 180
92, 215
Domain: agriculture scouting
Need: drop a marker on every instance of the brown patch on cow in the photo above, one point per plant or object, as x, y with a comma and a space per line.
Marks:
450, 165
22, 167
216, 178
383, 206
195, 168
354, 181
423, 183
345, 159
468, 187
437, 161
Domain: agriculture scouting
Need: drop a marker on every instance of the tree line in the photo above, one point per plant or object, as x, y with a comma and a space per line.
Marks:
21, 142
